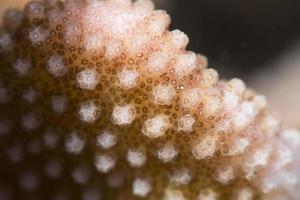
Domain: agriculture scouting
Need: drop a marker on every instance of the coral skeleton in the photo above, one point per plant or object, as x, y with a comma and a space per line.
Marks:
99, 100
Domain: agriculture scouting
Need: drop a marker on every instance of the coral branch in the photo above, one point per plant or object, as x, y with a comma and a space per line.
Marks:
99, 96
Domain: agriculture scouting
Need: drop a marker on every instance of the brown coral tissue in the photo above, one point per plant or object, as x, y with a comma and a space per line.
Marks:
99, 100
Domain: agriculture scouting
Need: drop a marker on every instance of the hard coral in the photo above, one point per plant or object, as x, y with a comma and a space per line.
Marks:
100, 100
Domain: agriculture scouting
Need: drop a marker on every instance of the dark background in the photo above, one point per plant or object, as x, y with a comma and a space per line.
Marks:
239, 37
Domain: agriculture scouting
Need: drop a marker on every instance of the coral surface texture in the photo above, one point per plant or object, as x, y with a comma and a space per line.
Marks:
99, 100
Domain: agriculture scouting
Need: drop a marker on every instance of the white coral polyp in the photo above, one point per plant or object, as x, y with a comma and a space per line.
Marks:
291, 137
50, 139
137, 42
144, 6
244, 193
128, 79
159, 22
53, 169
106, 139
72, 32
30, 95
88, 112
116, 18
167, 153
123, 115
186, 123
157, 63
270, 125
38, 35
205, 148
141, 187
56, 67
94, 42
243, 115
30, 121
185, 64
230, 100
35, 10
81, 174
207, 194
136, 158
191, 98
15, 153
181, 177
113, 48
22, 66
209, 77
173, 194
259, 157
237, 86
74, 143
54, 17
87, 79
105, 162
260, 102
156, 127
6, 42
29, 181
238, 146
179, 39
59, 104
163, 94
283, 155
211, 104
224, 174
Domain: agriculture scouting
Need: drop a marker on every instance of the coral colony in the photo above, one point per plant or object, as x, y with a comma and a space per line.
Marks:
99, 100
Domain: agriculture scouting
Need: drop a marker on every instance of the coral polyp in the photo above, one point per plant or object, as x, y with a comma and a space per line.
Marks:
99, 100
